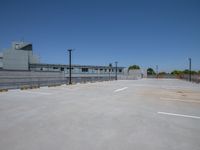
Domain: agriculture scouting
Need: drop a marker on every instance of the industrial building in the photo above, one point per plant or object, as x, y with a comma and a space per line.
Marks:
20, 56
19, 67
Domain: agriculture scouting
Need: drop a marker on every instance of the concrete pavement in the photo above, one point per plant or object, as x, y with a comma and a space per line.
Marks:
148, 114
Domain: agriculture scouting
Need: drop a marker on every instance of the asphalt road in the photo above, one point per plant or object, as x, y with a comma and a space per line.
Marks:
148, 114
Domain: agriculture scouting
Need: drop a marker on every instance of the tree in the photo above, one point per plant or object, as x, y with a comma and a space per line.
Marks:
194, 72
150, 71
177, 72
162, 73
188, 72
133, 67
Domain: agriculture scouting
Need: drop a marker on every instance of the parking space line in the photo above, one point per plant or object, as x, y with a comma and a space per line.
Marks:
42, 93
179, 115
175, 99
118, 90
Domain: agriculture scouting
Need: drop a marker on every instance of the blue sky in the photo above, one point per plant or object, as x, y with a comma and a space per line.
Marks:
142, 32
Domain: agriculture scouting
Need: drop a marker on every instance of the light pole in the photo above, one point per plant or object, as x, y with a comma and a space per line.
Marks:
190, 69
116, 70
70, 66
28, 62
110, 67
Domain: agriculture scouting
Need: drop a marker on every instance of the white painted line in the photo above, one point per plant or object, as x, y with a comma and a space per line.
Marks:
42, 93
118, 90
179, 115
181, 100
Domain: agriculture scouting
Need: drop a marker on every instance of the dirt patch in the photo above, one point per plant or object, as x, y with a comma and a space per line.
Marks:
169, 93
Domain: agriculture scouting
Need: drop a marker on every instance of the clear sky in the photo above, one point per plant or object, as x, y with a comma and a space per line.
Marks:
142, 32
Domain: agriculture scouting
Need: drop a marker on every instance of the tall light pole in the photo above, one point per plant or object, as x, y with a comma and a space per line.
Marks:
70, 66
190, 69
110, 67
116, 70
28, 62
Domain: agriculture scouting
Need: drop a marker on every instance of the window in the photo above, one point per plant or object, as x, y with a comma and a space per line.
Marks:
61, 69
120, 70
84, 69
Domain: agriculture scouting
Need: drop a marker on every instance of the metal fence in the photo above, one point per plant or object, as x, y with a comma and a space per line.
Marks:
166, 76
194, 78
15, 80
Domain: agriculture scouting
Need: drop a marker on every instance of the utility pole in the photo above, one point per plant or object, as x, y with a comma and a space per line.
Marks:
157, 71
70, 66
190, 69
116, 70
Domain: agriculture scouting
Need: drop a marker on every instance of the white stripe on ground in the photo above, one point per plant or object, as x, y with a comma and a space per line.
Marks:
179, 115
118, 90
175, 99
42, 93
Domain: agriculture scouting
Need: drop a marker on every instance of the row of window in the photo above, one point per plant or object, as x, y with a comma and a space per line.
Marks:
105, 70
85, 69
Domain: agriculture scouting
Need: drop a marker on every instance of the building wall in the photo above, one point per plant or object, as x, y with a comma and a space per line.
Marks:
15, 60
18, 57
33, 59
77, 69
132, 74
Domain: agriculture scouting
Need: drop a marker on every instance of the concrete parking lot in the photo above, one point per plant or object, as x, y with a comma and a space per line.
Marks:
148, 114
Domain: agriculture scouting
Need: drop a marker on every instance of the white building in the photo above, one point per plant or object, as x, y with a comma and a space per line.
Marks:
18, 57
